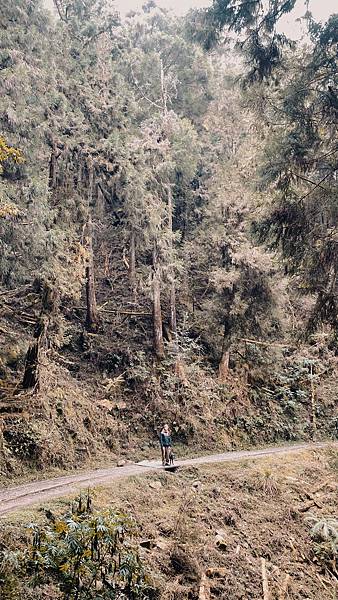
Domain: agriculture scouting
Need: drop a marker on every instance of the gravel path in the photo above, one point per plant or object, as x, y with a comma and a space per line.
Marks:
37, 492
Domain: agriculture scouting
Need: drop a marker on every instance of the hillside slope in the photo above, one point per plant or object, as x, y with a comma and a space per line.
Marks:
134, 287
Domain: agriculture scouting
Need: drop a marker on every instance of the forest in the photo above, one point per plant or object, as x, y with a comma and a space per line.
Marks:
168, 252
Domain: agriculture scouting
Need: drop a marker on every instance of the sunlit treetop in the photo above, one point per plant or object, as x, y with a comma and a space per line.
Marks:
8, 153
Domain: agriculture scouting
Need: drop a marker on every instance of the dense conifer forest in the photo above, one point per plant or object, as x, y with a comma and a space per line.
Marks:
169, 254
168, 225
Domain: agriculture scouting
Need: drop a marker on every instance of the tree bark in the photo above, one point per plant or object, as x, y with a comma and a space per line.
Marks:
132, 265
92, 319
172, 319
313, 405
100, 203
31, 378
164, 92
223, 368
265, 582
173, 316
157, 311
79, 172
68, 180
52, 169
178, 362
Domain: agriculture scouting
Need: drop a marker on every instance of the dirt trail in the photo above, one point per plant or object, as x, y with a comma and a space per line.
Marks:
37, 492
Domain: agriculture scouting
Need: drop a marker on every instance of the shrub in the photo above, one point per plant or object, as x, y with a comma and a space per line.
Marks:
83, 555
10, 568
324, 534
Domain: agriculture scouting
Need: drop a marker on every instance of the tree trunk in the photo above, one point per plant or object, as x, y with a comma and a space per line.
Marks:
52, 169
313, 405
31, 378
178, 362
68, 180
157, 311
223, 368
164, 91
79, 173
265, 581
173, 318
132, 265
92, 319
100, 203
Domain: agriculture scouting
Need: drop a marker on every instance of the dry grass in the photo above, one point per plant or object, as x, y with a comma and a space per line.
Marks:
257, 509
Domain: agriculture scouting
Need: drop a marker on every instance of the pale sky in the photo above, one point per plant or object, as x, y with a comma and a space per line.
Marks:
178, 6
321, 10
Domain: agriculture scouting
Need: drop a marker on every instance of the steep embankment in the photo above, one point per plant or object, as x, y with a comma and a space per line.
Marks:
134, 215
104, 398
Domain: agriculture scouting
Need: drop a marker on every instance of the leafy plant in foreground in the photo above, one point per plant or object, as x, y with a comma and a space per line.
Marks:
83, 555
90, 556
324, 534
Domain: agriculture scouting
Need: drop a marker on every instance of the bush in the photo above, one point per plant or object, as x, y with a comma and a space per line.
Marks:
10, 567
324, 534
22, 440
83, 555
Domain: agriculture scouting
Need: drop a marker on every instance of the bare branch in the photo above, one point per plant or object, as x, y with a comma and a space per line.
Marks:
141, 91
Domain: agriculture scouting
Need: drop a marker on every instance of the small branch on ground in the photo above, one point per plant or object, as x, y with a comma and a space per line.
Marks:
265, 583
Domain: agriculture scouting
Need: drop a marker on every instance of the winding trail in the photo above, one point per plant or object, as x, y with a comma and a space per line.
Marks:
37, 492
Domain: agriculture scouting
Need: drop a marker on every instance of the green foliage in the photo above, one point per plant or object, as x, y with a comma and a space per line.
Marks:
22, 440
255, 23
87, 19
300, 164
293, 385
137, 130
83, 554
324, 533
300, 157
138, 109
10, 569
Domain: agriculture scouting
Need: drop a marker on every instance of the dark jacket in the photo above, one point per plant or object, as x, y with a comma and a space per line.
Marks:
165, 440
